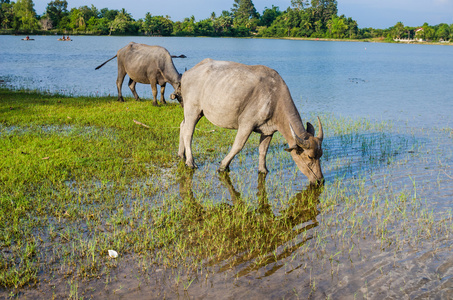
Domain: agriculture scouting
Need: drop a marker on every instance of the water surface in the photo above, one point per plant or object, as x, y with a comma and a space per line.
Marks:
409, 83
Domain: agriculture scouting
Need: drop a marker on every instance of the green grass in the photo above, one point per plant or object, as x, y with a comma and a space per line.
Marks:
79, 161
79, 177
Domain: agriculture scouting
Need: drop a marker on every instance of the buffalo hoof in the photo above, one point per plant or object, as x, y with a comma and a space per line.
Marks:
317, 183
192, 166
261, 176
155, 104
224, 169
264, 172
121, 99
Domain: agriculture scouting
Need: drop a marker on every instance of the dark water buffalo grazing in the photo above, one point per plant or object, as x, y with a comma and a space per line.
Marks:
249, 99
145, 64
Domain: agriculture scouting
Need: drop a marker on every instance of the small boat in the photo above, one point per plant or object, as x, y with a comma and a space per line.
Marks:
25, 39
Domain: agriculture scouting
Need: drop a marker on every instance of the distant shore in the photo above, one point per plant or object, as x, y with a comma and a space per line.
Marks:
368, 40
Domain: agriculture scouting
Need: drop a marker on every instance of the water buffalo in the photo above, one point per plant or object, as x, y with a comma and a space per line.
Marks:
247, 98
145, 64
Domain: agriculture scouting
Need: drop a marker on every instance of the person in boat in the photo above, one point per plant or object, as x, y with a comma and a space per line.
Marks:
68, 38
27, 38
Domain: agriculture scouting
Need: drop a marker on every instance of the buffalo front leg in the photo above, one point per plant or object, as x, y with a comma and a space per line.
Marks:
265, 140
186, 134
239, 142
132, 87
162, 91
119, 82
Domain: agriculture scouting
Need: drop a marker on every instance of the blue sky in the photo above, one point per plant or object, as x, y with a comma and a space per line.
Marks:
368, 13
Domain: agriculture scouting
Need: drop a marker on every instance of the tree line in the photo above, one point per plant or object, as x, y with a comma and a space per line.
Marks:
304, 18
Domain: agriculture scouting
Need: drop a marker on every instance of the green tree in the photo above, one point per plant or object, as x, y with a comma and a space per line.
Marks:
89, 12
337, 27
98, 25
269, 15
444, 32
157, 25
148, 25
398, 30
7, 15
65, 23
223, 24
322, 11
244, 11
56, 10
186, 27
280, 27
204, 28
121, 22
353, 28
108, 14
299, 4
77, 21
307, 23
25, 12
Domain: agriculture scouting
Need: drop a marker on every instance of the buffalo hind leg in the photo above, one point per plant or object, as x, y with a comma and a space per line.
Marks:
162, 91
154, 89
132, 87
119, 82
181, 151
239, 142
265, 140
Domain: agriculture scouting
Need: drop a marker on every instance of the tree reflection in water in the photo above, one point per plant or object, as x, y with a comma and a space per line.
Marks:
245, 236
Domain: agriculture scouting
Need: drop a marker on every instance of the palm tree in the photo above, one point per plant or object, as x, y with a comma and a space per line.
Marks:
398, 30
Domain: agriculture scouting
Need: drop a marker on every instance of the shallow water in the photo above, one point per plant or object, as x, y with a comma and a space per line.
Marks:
393, 82
377, 165
419, 267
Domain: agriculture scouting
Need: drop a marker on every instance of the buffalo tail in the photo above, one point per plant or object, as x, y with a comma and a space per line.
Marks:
105, 62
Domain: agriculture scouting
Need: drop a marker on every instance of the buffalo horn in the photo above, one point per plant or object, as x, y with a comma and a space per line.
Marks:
321, 132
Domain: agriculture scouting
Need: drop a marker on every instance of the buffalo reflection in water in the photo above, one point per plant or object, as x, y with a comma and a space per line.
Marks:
280, 234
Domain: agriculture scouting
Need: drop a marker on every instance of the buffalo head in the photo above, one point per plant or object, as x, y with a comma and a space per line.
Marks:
307, 153
177, 95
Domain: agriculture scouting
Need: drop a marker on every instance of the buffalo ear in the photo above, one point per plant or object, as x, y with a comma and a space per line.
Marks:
310, 129
291, 148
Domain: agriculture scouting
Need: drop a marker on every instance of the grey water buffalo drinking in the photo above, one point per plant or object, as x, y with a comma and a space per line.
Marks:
249, 99
145, 64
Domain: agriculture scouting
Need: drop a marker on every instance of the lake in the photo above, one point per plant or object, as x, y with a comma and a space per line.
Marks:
383, 226
398, 82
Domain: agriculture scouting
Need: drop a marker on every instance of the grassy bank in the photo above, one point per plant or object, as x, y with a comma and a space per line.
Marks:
74, 160
80, 177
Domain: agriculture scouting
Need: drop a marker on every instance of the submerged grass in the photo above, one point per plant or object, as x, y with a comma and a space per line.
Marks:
79, 176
